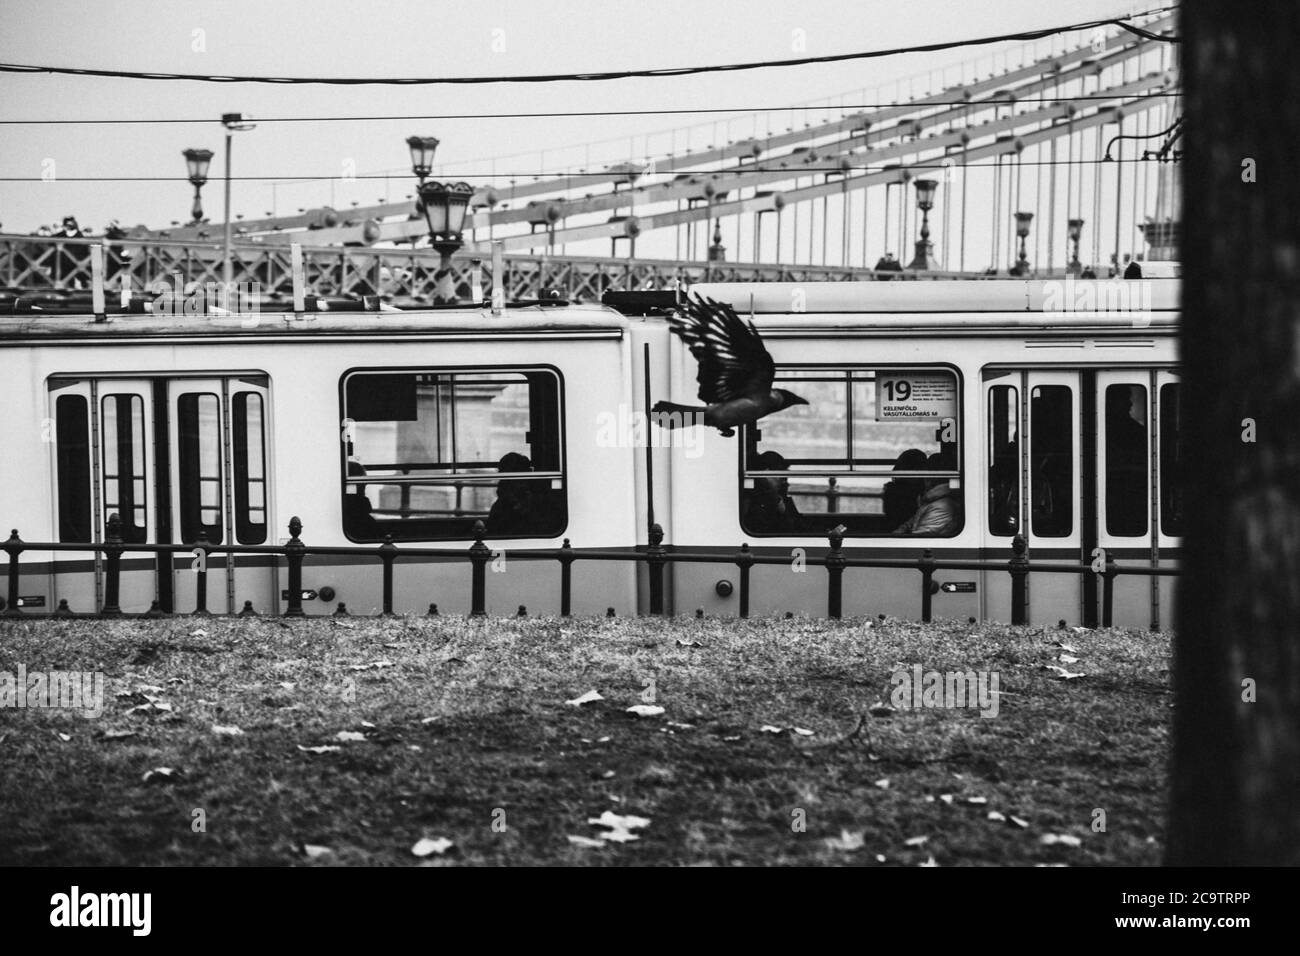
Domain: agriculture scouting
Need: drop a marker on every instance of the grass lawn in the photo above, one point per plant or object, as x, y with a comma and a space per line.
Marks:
463, 734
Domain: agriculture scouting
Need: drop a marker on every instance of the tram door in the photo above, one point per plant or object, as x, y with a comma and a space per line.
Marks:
170, 458
1033, 448
218, 488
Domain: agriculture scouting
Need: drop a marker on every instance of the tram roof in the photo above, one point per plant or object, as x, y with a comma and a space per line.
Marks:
1061, 296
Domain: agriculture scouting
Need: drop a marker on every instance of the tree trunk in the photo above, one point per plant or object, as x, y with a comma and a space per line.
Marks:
1236, 764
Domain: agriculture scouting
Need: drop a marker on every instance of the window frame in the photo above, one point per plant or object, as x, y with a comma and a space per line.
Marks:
849, 470
560, 474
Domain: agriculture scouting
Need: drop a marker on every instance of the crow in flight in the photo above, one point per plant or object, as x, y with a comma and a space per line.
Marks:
735, 374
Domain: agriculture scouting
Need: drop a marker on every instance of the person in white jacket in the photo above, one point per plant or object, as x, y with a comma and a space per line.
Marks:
938, 509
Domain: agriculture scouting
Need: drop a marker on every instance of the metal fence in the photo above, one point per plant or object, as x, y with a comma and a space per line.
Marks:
655, 556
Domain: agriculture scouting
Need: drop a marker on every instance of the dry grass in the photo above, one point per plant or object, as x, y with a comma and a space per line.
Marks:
467, 737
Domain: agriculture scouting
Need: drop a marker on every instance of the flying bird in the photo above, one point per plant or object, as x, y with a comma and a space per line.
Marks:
735, 375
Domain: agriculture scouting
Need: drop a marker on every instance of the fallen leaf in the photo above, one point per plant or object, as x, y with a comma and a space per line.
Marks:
199, 633
65, 737
1068, 659
946, 798
151, 688
118, 734
883, 783
607, 775
373, 664
802, 732
846, 841
349, 736
769, 729
429, 720
997, 817
915, 841
584, 841
731, 740
618, 822
645, 710
1065, 839
160, 773
322, 749
977, 801
929, 862
1017, 821
314, 851
1062, 673
590, 697
618, 836
880, 858
226, 731
426, 847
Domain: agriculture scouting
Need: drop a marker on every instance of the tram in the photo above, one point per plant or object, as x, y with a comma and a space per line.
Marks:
1047, 409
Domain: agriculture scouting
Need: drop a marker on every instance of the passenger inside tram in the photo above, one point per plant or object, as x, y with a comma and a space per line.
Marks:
898, 497
358, 521
768, 506
938, 507
521, 507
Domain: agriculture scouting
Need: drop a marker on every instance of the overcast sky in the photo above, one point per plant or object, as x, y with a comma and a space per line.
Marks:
408, 38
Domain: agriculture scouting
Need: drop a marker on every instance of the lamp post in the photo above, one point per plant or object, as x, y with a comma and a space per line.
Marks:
196, 164
234, 123
1074, 232
924, 258
444, 206
1023, 219
422, 150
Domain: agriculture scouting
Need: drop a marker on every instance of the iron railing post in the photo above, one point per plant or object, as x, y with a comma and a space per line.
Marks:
835, 571
479, 553
926, 564
201, 579
1018, 567
1108, 592
294, 552
15, 547
655, 565
744, 561
566, 579
112, 567
388, 554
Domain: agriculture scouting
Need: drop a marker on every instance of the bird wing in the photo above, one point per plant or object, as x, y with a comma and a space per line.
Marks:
733, 360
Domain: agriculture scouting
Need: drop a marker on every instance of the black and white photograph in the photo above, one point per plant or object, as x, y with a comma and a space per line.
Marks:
592, 434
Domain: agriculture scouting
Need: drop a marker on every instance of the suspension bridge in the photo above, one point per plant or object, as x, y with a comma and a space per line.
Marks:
1058, 157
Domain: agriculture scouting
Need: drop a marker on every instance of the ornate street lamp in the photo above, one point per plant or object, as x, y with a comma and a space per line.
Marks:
924, 258
1023, 219
234, 123
445, 205
422, 150
196, 163
1075, 232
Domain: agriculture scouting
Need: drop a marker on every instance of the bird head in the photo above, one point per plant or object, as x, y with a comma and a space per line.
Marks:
789, 398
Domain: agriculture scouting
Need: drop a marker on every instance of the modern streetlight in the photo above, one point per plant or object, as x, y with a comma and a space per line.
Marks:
234, 123
196, 164
1023, 219
1074, 232
444, 206
924, 258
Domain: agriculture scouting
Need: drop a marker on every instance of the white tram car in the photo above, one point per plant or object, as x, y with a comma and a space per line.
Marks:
1054, 406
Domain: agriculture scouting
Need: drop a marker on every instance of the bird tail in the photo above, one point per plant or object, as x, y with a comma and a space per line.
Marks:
672, 415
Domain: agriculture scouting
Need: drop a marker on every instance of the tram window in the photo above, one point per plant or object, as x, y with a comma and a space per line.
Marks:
124, 473
430, 453
248, 434
1126, 460
1171, 465
874, 450
1051, 460
198, 457
72, 433
1004, 460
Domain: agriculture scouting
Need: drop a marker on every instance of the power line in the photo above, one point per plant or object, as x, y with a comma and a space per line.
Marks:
597, 76
560, 114
745, 170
